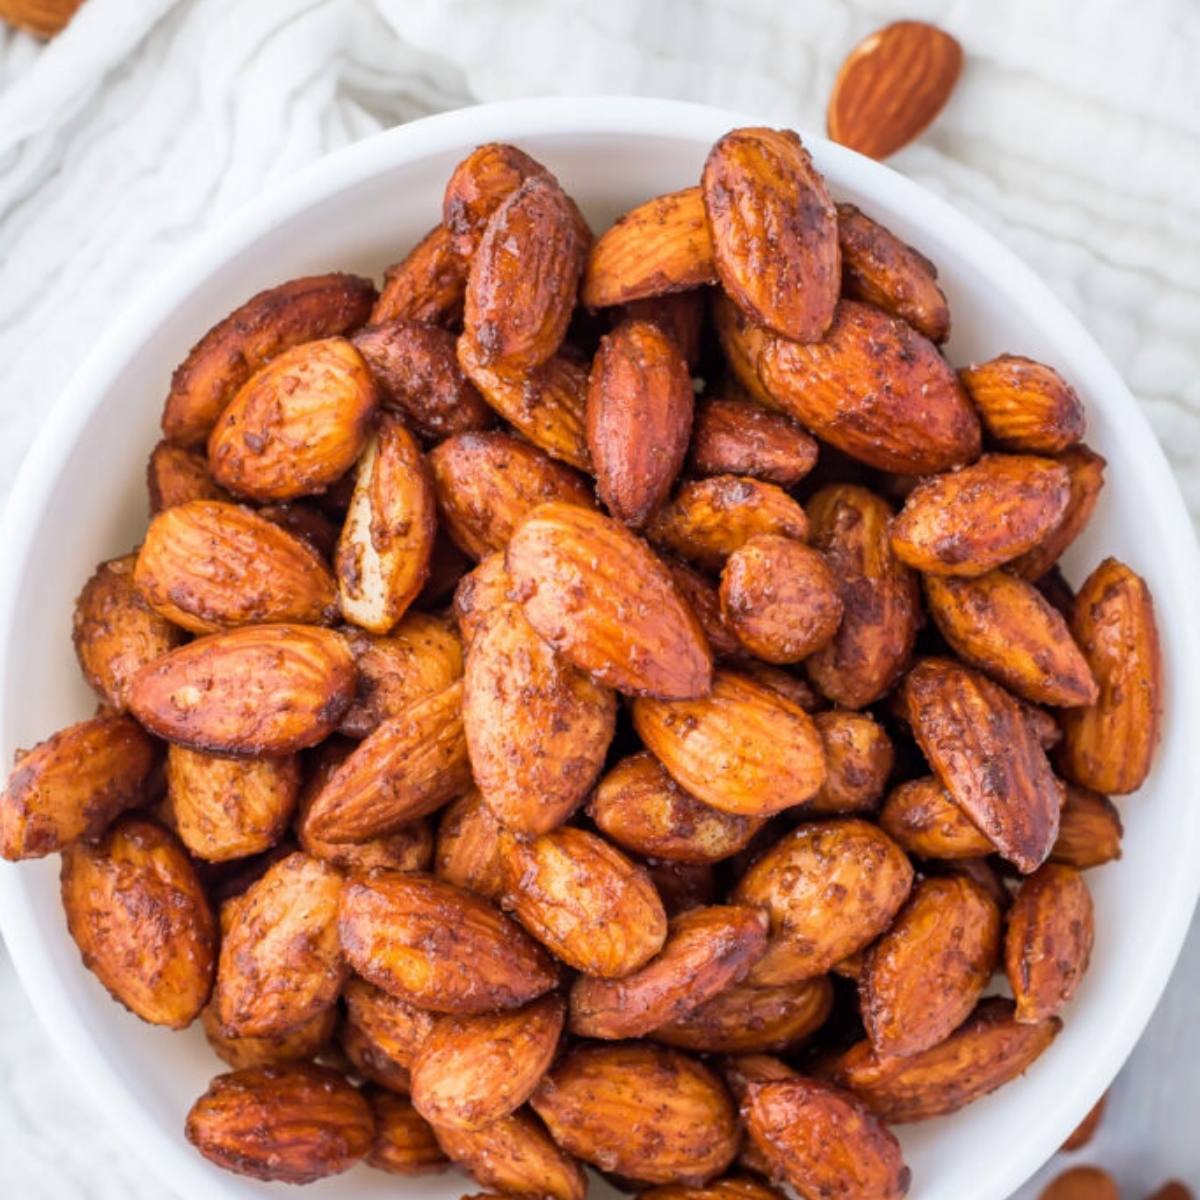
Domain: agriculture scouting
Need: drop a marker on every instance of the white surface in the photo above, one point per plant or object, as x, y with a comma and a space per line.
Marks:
1074, 136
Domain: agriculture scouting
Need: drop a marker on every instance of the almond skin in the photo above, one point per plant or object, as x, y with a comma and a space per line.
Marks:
397, 1028
707, 950
1089, 830
969, 521
175, 475
296, 1045
428, 284
987, 1051
774, 231
880, 597
921, 817
739, 437
743, 749
208, 566
1025, 405
824, 1141
1049, 941
980, 746
1085, 469
830, 887
265, 689
858, 761
487, 483
584, 900
639, 418
468, 847
877, 390
289, 1124
598, 595
1004, 626
659, 247
266, 326
387, 540
415, 368
138, 914
923, 978
439, 947
879, 269
645, 1112
296, 426
1110, 746
478, 186
405, 1143
472, 1071
891, 86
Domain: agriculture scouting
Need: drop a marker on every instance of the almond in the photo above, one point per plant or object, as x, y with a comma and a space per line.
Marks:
480, 591
739, 437
307, 522
1081, 1183
659, 247
891, 87
1083, 1133
468, 847
295, 1045
267, 325
682, 886
702, 598
680, 315
921, 817
1089, 830
405, 1143
367, 1060
1085, 469
732, 1187
426, 285
397, 1028
265, 689
858, 761
175, 475
1025, 405
741, 340
478, 186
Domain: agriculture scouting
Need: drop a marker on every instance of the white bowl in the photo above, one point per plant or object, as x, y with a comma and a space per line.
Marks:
80, 499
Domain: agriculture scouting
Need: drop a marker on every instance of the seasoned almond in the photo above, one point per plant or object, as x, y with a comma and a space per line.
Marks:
739, 437
474, 1070
1081, 1183
487, 483
208, 566
824, 1141
468, 847
877, 390
479, 592
969, 521
680, 315
858, 761
707, 950
1085, 469
69, 787
266, 326
583, 899
1003, 625
1049, 941
117, 633
682, 886
307, 522
297, 425
405, 1143
387, 541
1025, 405
1089, 830
136, 909
780, 598
923, 978
642, 1111
830, 887
880, 597
879, 269
639, 806
397, 1028
415, 368
639, 418
732, 1187
1173, 1190
295, 1045
439, 947
981, 747
42, 18
1083, 1133
478, 186
988, 1050
367, 1060
921, 817
598, 595
711, 518
175, 475
702, 598
741, 340
428, 284
290, 1124
1110, 745
743, 749
262, 690
661, 246
774, 231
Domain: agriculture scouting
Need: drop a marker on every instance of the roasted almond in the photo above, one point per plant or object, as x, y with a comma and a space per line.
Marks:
680, 315
1004, 626
858, 760
175, 475
732, 436
69, 787
426, 285
295, 1045
1085, 469
289, 1124
1083, 1133
921, 817
923, 978
297, 425
439, 947
643, 1111
682, 886
397, 1028
661, 246
1024, 405
1110, 745
701, 596
880, 597
138, 914
743, 749
1081, 1183
583, 899
307, 522
468, 847
732, 1187
974, 735
598, 595
366, 1059
480, 591
42, 18
707, 950
405, 1143
266, 326
1089, 830
774, 231
879, 269
265, 689
741, 340
478, 186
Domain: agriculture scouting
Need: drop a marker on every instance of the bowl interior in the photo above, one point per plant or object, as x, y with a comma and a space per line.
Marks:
82, 499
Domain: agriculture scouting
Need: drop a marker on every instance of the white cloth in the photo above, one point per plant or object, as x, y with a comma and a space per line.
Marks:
1074, 136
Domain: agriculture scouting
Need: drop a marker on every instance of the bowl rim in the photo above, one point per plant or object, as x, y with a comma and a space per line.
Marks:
169, 1158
